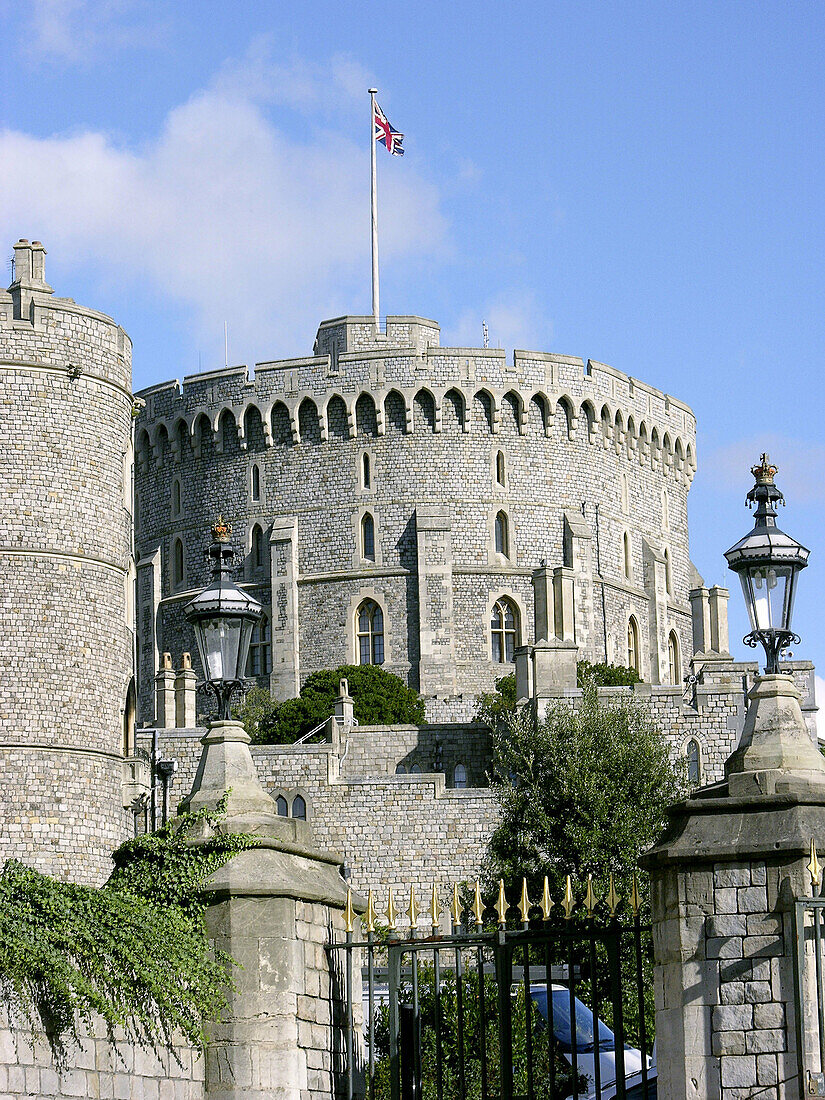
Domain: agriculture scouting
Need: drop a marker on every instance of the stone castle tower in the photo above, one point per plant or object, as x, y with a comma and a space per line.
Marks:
423, 507
66, 691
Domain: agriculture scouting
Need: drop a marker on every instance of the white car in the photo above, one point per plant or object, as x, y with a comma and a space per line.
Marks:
585, 1045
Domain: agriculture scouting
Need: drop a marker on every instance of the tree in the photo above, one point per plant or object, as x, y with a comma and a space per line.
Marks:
583, 791
379, 697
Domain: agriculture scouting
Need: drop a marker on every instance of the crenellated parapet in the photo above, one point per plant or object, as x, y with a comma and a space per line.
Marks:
363, 381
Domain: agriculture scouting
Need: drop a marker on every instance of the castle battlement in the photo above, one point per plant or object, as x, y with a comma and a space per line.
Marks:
364, 379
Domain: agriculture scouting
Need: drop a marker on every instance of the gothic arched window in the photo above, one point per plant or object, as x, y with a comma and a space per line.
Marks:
282, 806
459, 777
500, 467
256, 483
504, 630
367, 537
633, 644
299, 807
502, 535
674, 664
257, 547
369, 629
693, 754
178, 571
176, 497
366, 475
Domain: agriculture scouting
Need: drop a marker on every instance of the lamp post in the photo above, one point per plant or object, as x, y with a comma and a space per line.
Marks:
223, 616
768, 563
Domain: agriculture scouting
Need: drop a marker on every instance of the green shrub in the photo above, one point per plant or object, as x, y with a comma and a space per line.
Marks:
380, 698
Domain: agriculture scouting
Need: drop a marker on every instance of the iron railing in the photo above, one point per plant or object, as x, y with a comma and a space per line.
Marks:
538, 1008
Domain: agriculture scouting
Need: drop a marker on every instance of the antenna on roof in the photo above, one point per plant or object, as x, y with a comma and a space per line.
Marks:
485, 334
225, 345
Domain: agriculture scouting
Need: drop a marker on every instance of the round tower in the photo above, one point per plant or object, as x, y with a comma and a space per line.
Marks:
66, 689
427, 508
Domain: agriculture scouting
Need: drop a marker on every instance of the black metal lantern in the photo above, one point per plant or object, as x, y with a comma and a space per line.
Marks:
223, 616
768, 563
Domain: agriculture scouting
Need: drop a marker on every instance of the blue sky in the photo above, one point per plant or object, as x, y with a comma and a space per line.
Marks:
638, 183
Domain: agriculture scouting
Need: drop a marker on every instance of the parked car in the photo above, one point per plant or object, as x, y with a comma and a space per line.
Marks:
586, 1047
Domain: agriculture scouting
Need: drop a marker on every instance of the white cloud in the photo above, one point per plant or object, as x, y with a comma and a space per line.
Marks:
799, 463
514, 320
820, 702
74, 31
226, 210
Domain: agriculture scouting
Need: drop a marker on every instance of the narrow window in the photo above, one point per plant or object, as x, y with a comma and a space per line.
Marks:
502, 535
460, 777
177, 563
366, 477
176, 497
625, 494
257, 547
282, 806
500, 467
367, 537
400, 769
693, 752
674, 664
626, 555
665, 509
668, 574
633, 644
259, 662
369, 629
299, 807
256, 483
504, 628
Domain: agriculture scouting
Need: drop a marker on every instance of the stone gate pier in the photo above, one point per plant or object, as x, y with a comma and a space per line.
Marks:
724, 879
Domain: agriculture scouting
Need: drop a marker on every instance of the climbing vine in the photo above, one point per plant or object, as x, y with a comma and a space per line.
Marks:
134, 952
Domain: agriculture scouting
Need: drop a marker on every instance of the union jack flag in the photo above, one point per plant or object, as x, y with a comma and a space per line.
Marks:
385, 134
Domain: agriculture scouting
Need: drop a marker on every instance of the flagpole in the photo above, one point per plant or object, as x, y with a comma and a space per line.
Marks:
374, 213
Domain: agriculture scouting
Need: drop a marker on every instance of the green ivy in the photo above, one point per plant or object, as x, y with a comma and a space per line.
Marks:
134, 952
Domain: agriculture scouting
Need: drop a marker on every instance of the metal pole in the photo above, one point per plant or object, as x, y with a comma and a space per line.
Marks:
374, 213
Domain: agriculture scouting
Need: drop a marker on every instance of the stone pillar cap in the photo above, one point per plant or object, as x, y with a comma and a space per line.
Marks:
776, 747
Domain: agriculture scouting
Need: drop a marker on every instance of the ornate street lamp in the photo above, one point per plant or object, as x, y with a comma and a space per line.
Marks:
768, 563
223, 616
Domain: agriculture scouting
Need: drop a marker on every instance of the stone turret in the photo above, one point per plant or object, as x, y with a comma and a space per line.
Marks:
65, 554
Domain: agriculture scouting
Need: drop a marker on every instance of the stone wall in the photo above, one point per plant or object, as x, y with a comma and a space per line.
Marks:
65, 552
575, 441
97, 1068
391, 829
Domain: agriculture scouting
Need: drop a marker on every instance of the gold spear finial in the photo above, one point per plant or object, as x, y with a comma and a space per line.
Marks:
613, 899
435, 911
524, 904
455, 908
349, 912
391, 913
413, 910
590, 898
814, 869
546, 901
501, 905
568, 902
635, 898
478, 906
370, 913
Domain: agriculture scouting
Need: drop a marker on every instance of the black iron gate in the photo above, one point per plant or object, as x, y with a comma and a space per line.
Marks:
554, 1004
